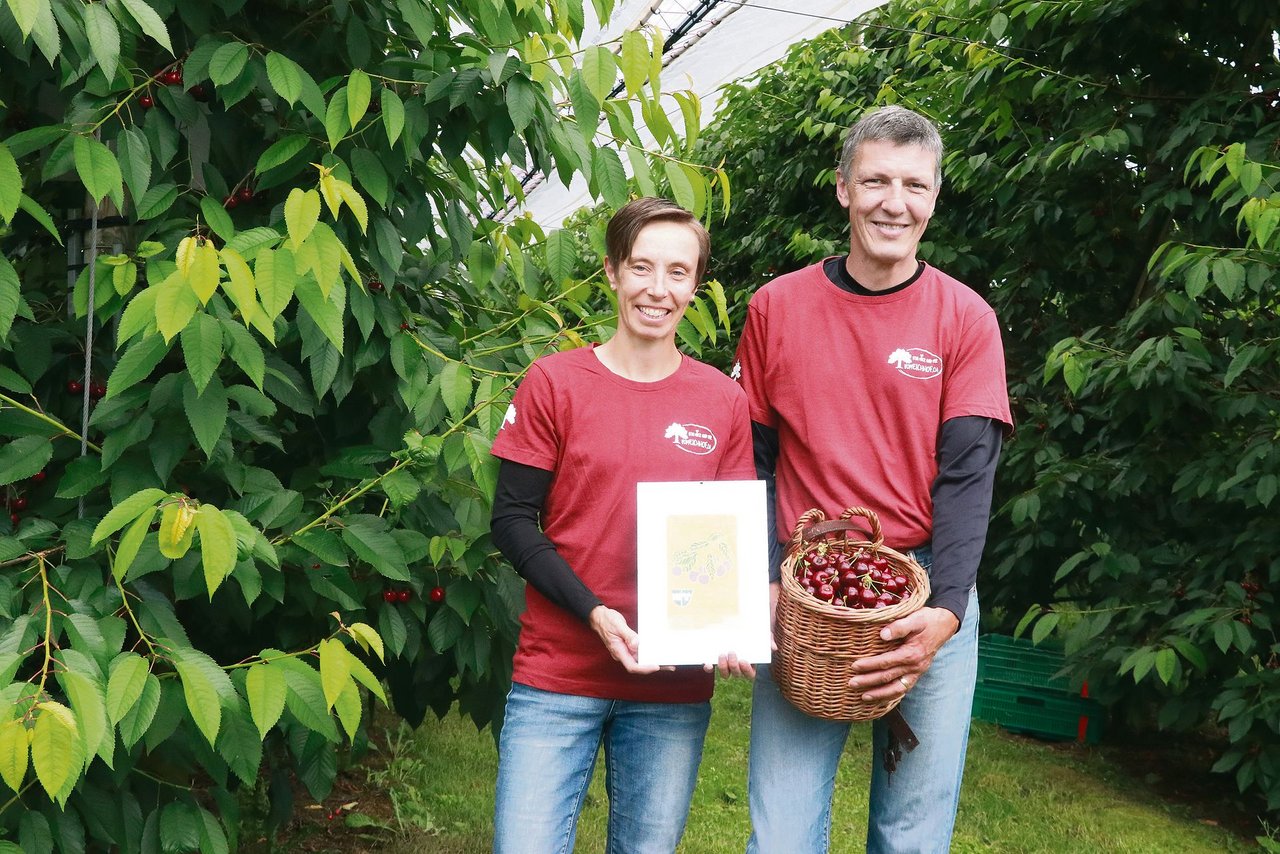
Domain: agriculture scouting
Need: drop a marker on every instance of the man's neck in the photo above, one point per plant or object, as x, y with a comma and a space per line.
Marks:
874, 277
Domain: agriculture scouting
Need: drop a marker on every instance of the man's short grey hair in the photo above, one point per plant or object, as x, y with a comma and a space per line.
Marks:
897, 125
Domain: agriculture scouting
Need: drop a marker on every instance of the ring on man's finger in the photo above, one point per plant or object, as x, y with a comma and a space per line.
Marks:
906, 686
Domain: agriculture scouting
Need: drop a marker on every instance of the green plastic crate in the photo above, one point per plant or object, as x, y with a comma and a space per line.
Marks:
1014, 662
1044, 714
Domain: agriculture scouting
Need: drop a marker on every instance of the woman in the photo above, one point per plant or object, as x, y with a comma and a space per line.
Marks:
585, 427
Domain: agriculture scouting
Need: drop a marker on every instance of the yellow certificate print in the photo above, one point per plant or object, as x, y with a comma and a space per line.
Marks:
702, 552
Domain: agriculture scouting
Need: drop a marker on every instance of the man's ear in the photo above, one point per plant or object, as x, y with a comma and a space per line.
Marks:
842, 189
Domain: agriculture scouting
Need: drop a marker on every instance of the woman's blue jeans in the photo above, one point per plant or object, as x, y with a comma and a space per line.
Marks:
547, 751
794, 759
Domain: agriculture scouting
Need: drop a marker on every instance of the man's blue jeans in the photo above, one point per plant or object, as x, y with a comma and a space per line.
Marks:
794, 759
546, 754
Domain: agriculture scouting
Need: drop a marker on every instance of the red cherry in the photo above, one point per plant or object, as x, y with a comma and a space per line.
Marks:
200, 92
437, 594
404, 327
39, 477
97, 391
388, 595
826, 592
74, 387
229, 202
171, 78
19, 503
146, 102
404, 596
15, 519
245, 193
375, 285
315, 566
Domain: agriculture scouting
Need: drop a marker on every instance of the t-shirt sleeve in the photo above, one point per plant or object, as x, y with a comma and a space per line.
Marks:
749, 367
738, 462
529, 434
975, 379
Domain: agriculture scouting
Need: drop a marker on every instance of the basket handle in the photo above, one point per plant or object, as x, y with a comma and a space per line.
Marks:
813, 524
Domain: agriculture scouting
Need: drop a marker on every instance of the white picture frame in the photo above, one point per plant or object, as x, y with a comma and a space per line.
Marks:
703, 571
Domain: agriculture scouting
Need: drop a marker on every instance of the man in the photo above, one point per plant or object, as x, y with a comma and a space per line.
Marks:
877, 380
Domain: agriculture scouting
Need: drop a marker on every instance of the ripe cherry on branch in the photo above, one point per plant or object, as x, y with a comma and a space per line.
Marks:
437, 594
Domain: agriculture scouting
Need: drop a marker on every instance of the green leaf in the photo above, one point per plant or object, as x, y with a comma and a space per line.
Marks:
1044, 627
104, 37
301, 213
217, 217
522, 102
96, 165
198, 263
202, 348
561, 255
10, 186
55, 749
392, 115
336, 124
265, 689
150, 22
245, 352
455, 388
368, 638
206, 412
175, 304
610, 177
136, 721
335, 672
277, 278
156, 201
125, 512
21, 458
681, 186
635, 61
137, 363
1166, 661
376, 548
240, 285
281, 151
285, 76
25, 13
40, 215
13, 753
179, 827
217, 545
359, 91
327, 315
131, 542
128, 676
227, 62
599, 71
10, 297
202, 683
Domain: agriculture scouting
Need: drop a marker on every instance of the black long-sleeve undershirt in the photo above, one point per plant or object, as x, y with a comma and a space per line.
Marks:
517, 532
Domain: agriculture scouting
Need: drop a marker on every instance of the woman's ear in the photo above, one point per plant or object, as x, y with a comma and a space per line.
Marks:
609, 273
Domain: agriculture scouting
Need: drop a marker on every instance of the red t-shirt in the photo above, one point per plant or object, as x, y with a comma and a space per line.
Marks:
858, 388
601, 434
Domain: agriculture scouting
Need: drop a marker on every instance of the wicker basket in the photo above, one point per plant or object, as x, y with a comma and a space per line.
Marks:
817, 641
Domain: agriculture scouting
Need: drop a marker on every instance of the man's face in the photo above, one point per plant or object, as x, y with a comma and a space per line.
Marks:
890, 197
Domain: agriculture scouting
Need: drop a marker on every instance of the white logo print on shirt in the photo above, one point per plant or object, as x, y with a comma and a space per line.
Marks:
691, 438
510, 417
736, 373
917, 363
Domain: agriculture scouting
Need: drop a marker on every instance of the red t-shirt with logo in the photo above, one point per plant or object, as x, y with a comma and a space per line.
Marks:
858, 388
601, 434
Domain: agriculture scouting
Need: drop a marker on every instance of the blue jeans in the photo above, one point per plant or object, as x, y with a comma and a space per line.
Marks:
794, 759
547, 751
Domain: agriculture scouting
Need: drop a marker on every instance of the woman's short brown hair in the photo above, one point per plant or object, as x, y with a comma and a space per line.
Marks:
631, 218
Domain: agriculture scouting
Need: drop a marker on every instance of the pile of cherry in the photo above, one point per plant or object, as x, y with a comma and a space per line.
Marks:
863, 580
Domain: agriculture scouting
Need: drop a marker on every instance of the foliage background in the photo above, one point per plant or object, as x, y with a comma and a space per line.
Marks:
251, 247
1111, 189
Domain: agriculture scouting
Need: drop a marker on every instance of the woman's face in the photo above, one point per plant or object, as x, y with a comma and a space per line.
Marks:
655, 284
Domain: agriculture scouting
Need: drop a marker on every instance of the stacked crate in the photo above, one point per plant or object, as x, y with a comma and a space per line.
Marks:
1019, 688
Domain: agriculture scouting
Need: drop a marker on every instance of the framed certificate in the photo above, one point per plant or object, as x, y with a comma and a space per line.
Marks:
703, 581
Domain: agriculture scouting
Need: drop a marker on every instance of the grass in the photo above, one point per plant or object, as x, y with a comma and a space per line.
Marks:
1020, 795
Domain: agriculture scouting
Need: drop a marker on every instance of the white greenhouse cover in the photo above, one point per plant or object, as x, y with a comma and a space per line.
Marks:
726, 41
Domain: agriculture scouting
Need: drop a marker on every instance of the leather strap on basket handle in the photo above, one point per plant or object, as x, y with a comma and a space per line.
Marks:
814, 532
901, 740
